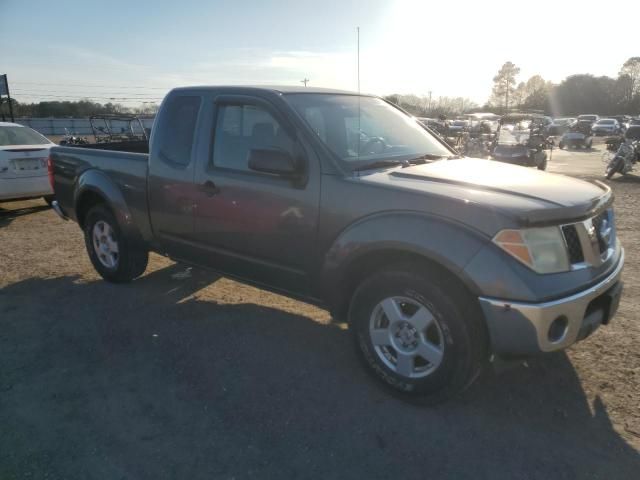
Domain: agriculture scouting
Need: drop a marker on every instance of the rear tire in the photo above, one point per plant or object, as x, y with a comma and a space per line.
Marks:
114, 256
425, 364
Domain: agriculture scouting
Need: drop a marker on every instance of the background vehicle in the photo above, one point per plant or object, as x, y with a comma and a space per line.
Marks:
71, 138
623, 160
521, 140
559, 125
623, 120
578, 136
606, 126
124, 133
588, 118
23, 163
348, 202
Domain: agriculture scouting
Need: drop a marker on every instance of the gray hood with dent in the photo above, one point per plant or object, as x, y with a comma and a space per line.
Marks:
527, 195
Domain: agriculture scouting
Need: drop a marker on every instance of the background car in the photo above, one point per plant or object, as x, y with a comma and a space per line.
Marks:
623, 120
606, 126
632, 133
589, 117
559, 125
23, 163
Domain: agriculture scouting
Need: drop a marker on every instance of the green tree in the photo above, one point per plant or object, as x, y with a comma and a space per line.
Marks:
632, 68
504, 83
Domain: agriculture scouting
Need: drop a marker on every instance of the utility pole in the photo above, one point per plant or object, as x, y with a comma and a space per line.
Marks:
305, 81
429, 102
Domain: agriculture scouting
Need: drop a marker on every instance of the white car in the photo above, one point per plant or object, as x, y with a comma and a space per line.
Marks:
23, 163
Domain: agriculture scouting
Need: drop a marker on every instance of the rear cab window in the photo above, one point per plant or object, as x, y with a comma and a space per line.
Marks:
176, 131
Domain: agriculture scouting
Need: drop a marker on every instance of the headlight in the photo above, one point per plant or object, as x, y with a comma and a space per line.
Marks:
541, 249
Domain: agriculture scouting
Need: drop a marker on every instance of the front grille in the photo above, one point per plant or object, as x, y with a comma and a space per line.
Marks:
573, 244
597, 224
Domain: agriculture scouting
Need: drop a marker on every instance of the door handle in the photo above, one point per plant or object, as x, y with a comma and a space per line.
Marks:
209, 188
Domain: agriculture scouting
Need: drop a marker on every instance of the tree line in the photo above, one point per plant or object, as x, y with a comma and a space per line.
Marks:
576, 94
80, 108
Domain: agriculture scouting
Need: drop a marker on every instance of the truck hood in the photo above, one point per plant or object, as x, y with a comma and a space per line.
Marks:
528, 195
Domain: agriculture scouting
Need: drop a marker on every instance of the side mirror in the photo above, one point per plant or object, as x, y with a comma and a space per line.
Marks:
273, 161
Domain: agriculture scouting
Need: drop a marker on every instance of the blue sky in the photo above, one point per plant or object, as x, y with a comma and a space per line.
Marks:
135, 51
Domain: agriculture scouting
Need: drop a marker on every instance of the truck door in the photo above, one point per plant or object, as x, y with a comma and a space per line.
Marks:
171, 168
255, 225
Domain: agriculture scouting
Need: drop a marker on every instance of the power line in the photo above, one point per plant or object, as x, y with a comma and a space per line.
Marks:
39, 92
92, 86
90, 96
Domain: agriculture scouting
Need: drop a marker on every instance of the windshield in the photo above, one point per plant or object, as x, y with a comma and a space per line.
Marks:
20, 136
362, 130
605, 122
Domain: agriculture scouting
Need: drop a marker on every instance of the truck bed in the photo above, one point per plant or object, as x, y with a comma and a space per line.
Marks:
124, 171
131, 146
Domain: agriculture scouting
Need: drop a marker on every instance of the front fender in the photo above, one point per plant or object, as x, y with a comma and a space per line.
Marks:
97, 182
443, 241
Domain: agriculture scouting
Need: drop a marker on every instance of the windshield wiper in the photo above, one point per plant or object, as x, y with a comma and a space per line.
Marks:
431, 156
381, 164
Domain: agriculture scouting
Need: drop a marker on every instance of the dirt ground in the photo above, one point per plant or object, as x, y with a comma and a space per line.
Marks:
201, 377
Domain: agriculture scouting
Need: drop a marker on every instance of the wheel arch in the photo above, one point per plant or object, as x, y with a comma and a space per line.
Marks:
376, 243
95, 187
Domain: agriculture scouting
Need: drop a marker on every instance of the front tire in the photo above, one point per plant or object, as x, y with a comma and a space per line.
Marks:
414, 336
114, 256
542, 165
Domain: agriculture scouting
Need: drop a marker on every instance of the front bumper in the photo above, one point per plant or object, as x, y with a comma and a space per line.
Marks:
528, 328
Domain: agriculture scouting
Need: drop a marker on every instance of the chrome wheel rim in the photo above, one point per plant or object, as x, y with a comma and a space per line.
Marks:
406, 337
105, 244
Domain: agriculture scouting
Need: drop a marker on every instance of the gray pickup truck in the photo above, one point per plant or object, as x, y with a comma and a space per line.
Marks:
438, 263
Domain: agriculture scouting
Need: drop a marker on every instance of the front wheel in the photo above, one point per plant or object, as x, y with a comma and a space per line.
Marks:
114, 256
415, 337
542, 165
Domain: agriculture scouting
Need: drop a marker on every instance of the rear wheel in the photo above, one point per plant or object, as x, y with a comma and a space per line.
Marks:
114, 256
415, 337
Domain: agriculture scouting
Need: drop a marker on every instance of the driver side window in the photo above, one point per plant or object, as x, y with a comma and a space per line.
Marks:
242, 127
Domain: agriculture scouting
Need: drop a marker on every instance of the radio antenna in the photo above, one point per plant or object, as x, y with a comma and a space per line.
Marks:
358, 34
358, 55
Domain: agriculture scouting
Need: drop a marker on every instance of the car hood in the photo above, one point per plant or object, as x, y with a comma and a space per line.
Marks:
527, 195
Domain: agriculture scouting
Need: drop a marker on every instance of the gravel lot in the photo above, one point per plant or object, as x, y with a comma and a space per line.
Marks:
201, 377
